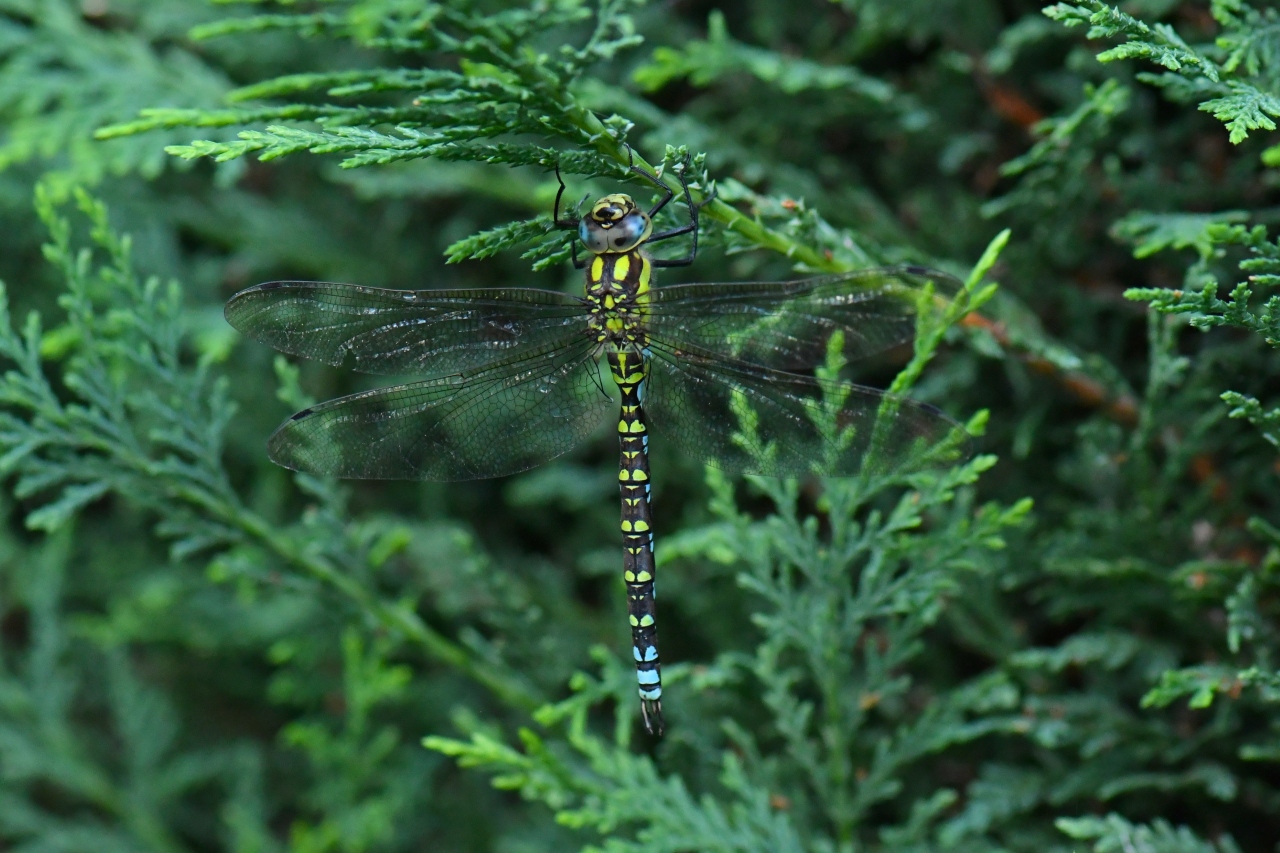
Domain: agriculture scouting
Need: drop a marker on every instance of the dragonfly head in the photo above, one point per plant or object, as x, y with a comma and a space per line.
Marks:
614, 224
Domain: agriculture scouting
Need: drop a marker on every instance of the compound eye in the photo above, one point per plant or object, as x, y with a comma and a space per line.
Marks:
629, 232
595, 238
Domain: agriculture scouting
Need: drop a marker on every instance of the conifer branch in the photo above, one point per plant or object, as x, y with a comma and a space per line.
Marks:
850, 667
155, 436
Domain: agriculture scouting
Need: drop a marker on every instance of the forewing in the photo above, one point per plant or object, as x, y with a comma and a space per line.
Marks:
488, 422
401, 331
786, 325
748, 419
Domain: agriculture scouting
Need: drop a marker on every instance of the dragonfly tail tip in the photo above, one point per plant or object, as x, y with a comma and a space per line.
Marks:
651, 709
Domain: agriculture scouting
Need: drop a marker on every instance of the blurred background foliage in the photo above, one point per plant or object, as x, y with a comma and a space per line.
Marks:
200, 651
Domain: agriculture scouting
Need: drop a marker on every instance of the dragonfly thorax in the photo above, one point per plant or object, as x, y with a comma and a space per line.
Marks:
614, 224
617, 294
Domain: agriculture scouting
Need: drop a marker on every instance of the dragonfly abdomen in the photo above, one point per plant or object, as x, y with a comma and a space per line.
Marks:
629, 369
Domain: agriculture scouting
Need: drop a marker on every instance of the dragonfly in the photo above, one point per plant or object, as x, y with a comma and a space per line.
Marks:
510, 377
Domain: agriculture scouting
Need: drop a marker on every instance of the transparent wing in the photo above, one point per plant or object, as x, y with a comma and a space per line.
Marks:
400, 331
744, 418
786, 325
488, 422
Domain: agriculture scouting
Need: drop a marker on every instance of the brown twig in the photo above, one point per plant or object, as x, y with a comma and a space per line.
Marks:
1121, 408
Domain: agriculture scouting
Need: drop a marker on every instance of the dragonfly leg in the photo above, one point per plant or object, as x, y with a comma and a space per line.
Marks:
566, 224
562, 224
667, 192
691, 227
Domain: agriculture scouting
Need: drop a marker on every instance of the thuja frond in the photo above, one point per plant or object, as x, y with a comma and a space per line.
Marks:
1239, 92
1160, 43
62, 77
816, 641
499, 91
1063, 147
1154, 232
1204, 307
362, 791
1114, 833
623, 798
1266, 420
1212, 235
1244, 108
146, 423
704, 61
496, 94
121, 798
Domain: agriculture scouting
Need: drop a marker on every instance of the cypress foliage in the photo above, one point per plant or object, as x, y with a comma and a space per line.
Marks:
1067, 642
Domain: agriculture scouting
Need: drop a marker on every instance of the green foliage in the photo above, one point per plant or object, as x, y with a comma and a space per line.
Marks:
63, 77
706, 61
200, 651
1205, 310
124, 801
1114, 833
1236, 68
500, 90
1160, 44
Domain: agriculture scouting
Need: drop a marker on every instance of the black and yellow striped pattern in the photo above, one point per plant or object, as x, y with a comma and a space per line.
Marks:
629, 371
618, 292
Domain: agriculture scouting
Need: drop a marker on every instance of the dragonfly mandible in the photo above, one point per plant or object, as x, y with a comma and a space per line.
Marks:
511, 377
